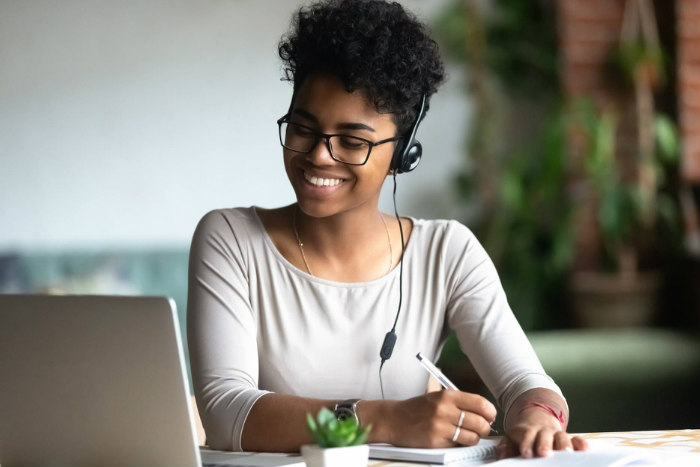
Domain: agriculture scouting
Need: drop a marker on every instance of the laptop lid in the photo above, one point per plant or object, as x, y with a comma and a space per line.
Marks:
87, 380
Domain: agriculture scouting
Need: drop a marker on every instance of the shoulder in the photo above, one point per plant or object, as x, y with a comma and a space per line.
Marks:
447, 232
228, 222
451, 246
231, 234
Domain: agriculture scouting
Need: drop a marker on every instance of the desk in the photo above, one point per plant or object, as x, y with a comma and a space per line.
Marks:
681, 441
670, 440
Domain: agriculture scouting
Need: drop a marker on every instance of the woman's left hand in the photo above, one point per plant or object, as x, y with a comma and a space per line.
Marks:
536, 433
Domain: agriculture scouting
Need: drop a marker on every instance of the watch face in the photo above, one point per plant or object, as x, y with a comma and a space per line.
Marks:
343, 413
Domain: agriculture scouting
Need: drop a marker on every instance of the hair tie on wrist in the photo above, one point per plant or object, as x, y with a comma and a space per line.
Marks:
559, 416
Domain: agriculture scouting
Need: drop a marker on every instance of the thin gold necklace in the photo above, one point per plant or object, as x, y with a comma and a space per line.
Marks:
301, 245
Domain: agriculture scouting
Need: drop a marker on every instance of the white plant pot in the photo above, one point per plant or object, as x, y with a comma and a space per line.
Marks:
351, 456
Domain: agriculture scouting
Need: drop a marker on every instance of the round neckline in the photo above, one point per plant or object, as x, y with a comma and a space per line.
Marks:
271, 245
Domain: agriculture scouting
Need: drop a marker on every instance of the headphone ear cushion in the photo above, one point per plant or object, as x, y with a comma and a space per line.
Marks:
397, 157
411, 157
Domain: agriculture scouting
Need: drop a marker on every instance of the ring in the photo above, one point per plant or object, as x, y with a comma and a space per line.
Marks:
454, 438
461, 419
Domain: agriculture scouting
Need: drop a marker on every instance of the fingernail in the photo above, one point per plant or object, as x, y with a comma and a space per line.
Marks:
527, 452
569, 448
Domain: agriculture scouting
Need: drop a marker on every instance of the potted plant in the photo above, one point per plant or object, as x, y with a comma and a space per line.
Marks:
628, 213
625, 182
337, 442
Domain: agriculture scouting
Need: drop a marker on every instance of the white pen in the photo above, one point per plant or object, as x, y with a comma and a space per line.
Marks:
435, 371
438, 375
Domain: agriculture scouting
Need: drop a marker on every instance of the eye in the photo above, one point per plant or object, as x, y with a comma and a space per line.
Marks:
300, 130
348, 142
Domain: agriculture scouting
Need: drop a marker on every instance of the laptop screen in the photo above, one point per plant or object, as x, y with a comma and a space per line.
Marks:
90, 380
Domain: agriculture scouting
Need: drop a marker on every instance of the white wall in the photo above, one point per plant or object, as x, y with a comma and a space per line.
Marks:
123, 122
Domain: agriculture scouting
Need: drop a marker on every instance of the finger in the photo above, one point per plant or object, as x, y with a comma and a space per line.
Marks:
476, 423
526, 443
579, 443
562, 442
449, 413
506, 448
476, 404
467, 438
455, 417
460, 420
544, 442
442, 435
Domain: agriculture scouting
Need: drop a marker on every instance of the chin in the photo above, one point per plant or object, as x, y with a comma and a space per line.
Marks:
317, 209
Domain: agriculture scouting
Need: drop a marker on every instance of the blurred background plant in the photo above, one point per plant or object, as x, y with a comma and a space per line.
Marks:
571, 181
637, 222
516, 171
626, 211
536, 157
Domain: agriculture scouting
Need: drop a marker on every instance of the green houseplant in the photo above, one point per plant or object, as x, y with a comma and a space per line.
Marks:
338, 442
626, 181
515, 168
629, 212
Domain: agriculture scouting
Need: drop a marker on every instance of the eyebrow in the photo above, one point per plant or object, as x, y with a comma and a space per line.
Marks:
342, 126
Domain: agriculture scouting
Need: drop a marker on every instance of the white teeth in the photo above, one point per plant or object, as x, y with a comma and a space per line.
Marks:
322, 181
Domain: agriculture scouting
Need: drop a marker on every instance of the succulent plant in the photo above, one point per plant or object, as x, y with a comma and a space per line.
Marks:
328, 432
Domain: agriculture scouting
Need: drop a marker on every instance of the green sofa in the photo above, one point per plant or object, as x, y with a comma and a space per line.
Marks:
613, 379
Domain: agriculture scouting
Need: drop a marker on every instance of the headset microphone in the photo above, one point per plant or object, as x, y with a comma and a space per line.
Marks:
406, 157
388, 346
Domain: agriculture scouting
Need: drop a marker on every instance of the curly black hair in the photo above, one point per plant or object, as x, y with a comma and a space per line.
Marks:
371, 45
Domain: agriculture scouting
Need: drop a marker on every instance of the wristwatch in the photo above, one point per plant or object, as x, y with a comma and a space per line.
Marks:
346, 409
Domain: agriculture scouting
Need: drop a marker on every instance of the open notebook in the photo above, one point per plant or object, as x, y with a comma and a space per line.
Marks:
484, 450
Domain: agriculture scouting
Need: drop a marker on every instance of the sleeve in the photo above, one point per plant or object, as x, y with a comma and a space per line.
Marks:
487, 330
221, 331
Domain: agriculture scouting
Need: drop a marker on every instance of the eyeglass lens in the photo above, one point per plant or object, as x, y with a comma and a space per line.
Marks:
343, 148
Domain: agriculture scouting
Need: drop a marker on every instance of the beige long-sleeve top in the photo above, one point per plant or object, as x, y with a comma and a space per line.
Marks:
256, 323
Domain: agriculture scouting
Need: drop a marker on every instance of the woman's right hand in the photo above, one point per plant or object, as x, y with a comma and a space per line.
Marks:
430, 420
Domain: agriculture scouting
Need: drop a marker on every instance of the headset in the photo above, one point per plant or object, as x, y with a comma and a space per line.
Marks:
407, 155
409, 151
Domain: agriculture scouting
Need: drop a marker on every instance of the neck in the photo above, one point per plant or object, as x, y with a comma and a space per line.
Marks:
344, 235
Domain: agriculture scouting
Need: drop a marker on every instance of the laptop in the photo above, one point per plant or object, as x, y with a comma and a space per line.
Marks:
95, 380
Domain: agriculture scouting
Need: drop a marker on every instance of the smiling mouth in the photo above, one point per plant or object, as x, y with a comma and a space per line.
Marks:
321, 182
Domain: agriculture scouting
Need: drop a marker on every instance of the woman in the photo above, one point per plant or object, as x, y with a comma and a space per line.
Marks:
288, 307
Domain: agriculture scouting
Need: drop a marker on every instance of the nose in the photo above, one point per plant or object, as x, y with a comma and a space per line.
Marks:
321, 152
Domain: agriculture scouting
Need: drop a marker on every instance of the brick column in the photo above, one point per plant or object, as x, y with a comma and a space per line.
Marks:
688, 35
588, 32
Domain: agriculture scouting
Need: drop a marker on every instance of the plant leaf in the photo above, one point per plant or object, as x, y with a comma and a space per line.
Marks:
666, 138
362, 436
325, 416
667, 209
310, 423
313, 430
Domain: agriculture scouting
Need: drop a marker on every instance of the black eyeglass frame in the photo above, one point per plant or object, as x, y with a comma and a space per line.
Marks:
318, 135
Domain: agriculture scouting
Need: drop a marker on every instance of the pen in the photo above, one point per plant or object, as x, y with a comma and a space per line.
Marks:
438, 375
435, 371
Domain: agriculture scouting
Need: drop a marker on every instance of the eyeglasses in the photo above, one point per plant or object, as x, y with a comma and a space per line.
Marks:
347, 149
